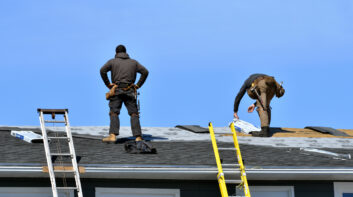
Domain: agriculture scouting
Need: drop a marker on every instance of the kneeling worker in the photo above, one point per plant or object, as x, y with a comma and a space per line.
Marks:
123, 90
262, 88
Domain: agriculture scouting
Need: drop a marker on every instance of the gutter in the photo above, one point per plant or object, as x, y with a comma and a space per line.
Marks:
189, 173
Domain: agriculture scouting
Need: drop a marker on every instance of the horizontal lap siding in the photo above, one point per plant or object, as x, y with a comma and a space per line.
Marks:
187, 188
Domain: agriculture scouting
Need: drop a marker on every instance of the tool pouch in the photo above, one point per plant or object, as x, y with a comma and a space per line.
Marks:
280, 91
111, 92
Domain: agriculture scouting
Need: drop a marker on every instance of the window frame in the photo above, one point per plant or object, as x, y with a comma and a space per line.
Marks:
288, 189
342, 187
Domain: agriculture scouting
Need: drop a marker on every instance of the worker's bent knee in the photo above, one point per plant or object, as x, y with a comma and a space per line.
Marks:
134, 115
113, 113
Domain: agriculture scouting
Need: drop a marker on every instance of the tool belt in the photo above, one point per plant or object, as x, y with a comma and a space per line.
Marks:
123, 86
256, 95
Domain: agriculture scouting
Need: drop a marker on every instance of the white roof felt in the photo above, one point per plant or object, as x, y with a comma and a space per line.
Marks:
175, 134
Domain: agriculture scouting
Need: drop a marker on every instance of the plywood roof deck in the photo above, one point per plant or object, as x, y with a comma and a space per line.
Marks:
295, 132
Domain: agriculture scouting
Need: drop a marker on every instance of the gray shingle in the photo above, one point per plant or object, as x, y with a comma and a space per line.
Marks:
93, 151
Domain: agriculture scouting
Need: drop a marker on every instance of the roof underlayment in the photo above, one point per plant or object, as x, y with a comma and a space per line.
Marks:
283, 137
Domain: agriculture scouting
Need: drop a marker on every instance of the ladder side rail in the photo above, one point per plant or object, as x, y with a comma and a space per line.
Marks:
73, 158
220, 175
240, 161
47, 155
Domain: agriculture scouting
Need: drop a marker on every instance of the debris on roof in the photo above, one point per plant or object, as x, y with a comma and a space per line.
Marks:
327, 130
244, 127
27, 136
193, 128
324, 152
309, 133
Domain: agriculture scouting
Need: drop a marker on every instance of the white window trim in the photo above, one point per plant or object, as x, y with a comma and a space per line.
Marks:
289, 189
31, 190
101, 191
342, 187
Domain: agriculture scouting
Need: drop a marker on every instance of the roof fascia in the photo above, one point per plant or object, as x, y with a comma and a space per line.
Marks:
188, 173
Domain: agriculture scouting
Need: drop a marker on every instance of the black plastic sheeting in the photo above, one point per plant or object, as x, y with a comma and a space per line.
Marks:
327, 130
193, 128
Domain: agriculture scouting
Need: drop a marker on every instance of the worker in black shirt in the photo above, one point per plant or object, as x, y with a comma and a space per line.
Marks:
262, 88
123, 90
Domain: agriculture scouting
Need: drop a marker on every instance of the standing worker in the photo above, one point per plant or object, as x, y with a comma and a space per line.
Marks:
262, 88
123, 90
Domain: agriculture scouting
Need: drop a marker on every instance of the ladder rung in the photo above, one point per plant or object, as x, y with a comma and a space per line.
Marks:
233, 181
59, 138
230, 165
54, 121
236, 196
62, 154
226, 133
223, 148
66, 188
64, 170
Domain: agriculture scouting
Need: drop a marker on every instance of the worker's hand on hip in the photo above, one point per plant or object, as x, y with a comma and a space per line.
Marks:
111, 85
236, 115
251, 108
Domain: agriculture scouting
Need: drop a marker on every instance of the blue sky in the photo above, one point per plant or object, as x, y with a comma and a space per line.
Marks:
198, 54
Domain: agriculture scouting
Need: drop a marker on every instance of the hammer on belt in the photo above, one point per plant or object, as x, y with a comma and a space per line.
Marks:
254, 90
111, 92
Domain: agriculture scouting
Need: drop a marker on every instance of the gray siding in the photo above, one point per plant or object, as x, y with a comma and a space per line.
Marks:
187, 188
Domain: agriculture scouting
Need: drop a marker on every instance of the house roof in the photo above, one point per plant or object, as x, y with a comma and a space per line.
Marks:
192, 152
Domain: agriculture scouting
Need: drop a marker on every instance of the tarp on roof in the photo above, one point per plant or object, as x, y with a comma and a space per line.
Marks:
327, 130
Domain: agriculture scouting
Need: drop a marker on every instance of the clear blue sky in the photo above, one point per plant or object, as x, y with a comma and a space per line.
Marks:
198, 54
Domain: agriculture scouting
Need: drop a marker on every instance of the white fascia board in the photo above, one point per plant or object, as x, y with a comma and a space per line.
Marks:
188, 173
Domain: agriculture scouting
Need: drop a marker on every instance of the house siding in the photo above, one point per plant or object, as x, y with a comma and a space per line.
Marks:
187, 188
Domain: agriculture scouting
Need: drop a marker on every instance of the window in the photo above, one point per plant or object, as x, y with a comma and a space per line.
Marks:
343, 189
134, 192
31, 192
272, 191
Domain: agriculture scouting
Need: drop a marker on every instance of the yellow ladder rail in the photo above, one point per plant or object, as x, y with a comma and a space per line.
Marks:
240, 161
220, 175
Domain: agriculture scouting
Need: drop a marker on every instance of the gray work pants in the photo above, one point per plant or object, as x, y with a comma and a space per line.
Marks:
115, 104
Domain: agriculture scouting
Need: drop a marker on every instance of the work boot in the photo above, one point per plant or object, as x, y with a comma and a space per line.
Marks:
263, 133
110, 138
138, 138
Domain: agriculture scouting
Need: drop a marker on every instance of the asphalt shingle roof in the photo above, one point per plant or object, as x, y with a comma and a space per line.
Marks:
93, 151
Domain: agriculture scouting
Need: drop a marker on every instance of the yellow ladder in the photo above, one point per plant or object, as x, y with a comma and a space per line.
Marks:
220, 176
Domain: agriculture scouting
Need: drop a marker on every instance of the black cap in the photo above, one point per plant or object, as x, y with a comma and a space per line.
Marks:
120, 49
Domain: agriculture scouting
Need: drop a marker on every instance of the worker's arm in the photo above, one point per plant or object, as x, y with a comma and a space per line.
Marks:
144, 73
104, 70
239, 97
251, 108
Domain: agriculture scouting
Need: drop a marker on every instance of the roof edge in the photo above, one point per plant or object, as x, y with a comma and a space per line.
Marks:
188, 173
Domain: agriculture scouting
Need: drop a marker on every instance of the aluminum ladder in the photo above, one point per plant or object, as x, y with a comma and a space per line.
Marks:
243, 183
71, 154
